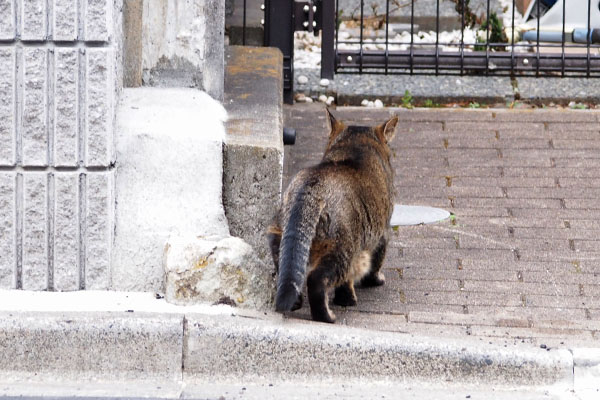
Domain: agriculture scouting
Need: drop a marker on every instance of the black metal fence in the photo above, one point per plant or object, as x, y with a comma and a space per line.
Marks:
565, 45
437, 37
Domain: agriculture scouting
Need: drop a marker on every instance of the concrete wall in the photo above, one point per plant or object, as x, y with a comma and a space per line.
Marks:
60, 75
61, 72
182, 44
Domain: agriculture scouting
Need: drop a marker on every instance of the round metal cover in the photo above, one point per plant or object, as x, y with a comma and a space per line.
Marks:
416, 215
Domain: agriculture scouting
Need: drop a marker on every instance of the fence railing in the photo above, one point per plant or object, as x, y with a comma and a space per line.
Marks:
435, 37
499, 39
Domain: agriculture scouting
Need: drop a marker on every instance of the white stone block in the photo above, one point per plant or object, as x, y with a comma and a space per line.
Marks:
99, 224
7, 20
207, 269
64, 25
8, 259
34, 20
586, 369
34, 118
66, 105
170, 163
66, 231
99, 119
7, 105
97, 20
35, 231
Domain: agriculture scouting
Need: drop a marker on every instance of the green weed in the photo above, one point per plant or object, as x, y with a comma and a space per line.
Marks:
430, 104
407, 99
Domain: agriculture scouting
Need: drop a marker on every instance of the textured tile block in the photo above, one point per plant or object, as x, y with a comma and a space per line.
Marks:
64, 25
99, 211
66, 231
35, 231
7, 105
99, 108
7, 230
34, 20
34, 121
97, 17
7, 20
66, 103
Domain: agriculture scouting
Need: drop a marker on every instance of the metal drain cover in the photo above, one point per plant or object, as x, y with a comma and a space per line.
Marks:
416, 215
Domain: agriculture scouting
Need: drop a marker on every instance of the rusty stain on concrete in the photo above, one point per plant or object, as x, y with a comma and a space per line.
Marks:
260, 60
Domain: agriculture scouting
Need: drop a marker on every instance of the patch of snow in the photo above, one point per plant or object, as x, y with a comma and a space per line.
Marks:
416, 215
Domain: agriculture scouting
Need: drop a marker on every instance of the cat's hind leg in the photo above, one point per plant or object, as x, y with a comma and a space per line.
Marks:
323, 277
360, 266
274, 238
345, 295
375, 277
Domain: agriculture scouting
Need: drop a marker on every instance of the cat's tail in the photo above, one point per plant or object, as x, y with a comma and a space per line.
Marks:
296, 240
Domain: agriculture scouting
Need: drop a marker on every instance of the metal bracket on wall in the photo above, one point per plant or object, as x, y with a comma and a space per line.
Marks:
308, 16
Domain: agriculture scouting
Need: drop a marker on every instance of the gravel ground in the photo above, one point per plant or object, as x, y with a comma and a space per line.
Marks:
352, 89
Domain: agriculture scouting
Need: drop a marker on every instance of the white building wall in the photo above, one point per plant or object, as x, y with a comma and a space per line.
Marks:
59, 82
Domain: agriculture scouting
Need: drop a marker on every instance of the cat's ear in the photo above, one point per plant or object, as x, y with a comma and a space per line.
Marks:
335, 127
388, 129
332, 124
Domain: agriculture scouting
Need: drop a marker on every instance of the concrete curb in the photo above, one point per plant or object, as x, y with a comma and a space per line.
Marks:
219, 343
255, 349
91, 346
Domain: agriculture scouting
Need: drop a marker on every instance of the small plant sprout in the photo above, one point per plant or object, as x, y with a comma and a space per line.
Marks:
407, 99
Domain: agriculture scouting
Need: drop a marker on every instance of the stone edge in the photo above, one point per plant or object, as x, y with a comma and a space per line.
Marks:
318, 345
508, 91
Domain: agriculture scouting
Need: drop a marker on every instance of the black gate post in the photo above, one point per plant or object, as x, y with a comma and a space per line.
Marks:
328, 20
279, 32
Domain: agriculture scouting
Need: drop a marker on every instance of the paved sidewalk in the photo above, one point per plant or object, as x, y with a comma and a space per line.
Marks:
520, 261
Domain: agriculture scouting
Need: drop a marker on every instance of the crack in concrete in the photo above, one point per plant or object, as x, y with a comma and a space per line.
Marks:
477, 236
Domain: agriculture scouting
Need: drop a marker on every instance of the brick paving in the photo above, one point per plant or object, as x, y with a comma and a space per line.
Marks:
520, 260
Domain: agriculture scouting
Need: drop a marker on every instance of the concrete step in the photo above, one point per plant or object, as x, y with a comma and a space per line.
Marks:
253, 150
339, 389
124, 336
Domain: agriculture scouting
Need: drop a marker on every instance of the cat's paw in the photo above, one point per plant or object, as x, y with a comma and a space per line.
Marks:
372, 280
344, 301
344, 297
298, 304
328, 317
